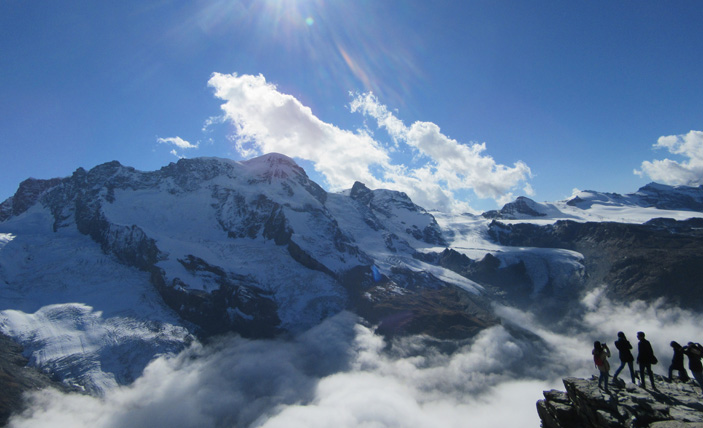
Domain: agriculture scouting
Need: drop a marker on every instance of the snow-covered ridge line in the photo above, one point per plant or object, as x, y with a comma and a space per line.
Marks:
649, 202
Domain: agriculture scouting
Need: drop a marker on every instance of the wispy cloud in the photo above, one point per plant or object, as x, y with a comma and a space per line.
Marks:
178, 142
667, 171
267, 120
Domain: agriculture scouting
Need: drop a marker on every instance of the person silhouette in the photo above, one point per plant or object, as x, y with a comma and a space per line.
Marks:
600, 358
623, 346
645, 359
694, 352
677, 363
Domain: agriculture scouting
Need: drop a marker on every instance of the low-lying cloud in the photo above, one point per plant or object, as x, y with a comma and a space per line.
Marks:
342, 374
267, 120
688, 172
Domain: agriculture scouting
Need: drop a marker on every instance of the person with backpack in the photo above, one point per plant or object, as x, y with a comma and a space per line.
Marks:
623, 346
677, 363
600, 358
645, 359
694, 352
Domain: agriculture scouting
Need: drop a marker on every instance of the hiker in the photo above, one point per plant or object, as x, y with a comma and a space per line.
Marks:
623, 345
694, 352
645, 359
600, 358
677, 363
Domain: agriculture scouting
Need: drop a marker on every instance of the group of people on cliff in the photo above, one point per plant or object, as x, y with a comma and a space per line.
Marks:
645, 360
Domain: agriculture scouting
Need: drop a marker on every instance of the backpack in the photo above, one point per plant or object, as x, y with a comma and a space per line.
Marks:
597, 360
696, 350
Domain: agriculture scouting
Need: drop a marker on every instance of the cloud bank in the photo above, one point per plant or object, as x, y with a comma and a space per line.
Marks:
267, 120
688, 172
341, 373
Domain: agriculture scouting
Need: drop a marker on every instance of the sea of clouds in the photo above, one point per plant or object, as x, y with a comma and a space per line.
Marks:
342, 374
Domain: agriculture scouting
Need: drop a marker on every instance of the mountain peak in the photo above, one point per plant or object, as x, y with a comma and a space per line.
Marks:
361, 193
274, 165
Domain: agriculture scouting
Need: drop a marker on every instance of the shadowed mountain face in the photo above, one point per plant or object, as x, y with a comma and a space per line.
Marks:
16, 378
660, 258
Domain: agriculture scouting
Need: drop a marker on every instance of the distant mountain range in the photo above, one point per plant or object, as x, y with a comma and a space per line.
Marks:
653, 195
105, 269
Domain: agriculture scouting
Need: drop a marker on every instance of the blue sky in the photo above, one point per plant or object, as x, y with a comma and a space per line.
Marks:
462, 104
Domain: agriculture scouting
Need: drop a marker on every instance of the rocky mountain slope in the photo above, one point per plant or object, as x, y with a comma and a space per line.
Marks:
657, 259
16, 378
108, 268
584, 405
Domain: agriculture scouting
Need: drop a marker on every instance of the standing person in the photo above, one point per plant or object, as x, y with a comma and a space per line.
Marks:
694, 351
600, 358
677, 363
645, 359
623, 345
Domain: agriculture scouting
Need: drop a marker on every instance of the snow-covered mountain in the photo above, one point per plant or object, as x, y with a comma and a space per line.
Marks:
652, 200
109, 267
104, 270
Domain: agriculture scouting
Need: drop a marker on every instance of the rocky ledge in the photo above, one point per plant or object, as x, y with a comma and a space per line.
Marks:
584, 405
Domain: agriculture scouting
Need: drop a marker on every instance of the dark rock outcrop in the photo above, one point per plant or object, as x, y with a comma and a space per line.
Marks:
510, 282
584, 405
16, 378
410, 302
28, 193
380, 206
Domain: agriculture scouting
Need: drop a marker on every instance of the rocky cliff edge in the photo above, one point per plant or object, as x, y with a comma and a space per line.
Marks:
584, 405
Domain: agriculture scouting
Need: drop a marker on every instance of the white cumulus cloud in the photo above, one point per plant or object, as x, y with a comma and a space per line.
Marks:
688, 172
460, 166
267, 120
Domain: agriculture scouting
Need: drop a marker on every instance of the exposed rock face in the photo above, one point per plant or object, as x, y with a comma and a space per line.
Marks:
382, 208
657, 259
16, 378
511, 281
407, 303
584, 405
27, 194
